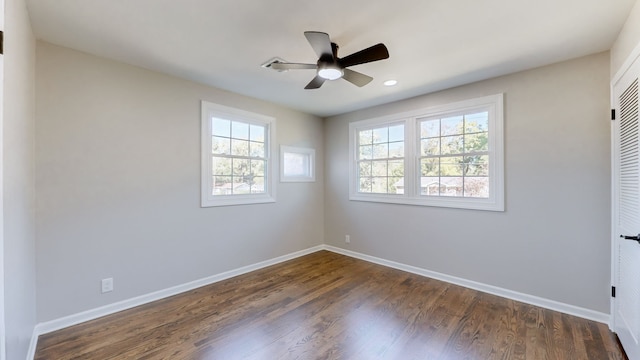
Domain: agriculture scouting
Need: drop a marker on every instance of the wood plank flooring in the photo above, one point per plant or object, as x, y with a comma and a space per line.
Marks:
328, 306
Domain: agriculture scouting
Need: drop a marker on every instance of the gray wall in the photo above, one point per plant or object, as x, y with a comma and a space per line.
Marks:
18, 179
117, 161
628, 39
118, 184
553, 239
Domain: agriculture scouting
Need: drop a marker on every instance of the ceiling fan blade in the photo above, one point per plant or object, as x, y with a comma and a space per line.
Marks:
292, 66
315, 83
321, 44
356, 78
373, 53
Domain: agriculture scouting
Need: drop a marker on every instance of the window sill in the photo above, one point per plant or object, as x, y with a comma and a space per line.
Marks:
452, 202
237, 200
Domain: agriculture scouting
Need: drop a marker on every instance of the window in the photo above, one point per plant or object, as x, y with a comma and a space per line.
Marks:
450, 156
380, 159
454, 155
297, 164
236, 163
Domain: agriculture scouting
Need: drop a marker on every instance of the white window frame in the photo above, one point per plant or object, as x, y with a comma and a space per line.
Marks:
493, 104
210, 110
310, 155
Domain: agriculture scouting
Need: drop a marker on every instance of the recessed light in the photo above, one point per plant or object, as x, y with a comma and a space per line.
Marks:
390, 82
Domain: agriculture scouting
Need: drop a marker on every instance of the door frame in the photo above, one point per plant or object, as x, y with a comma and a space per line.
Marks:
3, 335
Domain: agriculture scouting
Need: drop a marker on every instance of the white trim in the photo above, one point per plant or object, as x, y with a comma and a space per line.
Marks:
57, 324
3, 331
61, 323
209, 109
311, 164
635, 54
490, 289
31, 352
613, 214
493, 104
3, 334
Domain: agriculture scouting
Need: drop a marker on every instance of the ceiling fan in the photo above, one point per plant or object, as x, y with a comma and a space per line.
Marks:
330, 66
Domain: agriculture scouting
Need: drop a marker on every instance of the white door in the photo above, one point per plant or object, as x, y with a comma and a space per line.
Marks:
626, 211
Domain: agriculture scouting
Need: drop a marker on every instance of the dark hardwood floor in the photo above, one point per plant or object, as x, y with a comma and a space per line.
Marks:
329, 306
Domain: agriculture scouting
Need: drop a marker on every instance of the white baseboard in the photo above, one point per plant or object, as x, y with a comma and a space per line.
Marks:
57, 324
505, 293
61, 323
31, 353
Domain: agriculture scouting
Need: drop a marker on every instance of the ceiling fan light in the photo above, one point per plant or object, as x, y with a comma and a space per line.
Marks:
330, 73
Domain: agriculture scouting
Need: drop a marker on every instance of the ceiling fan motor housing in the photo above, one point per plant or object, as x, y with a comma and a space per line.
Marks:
330, 67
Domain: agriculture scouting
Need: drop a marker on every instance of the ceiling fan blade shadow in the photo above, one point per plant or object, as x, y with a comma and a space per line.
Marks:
372, 53
292, 66
321, 44
315, 83
356, 78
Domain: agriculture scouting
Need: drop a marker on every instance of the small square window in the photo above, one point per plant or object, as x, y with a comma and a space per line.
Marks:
297, 164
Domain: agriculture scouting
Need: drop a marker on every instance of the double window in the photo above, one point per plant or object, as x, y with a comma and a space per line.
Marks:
449, 156
236, 156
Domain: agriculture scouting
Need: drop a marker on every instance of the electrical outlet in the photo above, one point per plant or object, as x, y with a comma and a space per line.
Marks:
107, 285
347, 239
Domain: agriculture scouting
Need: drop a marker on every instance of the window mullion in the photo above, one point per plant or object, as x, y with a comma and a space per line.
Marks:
411, 167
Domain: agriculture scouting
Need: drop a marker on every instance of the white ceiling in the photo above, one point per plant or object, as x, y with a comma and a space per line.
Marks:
433, 44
